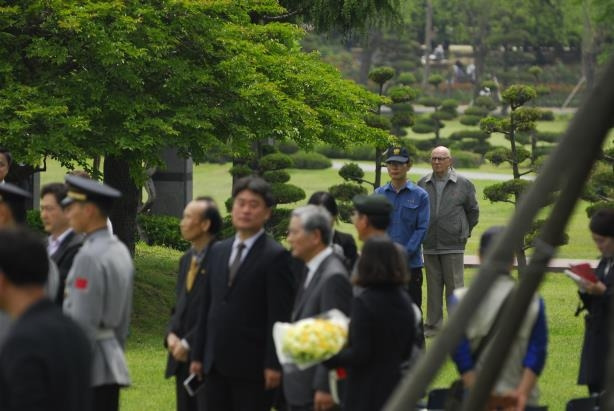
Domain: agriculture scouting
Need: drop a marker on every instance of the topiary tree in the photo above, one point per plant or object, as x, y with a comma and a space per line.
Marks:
379, 76
521, 121
599, 190
271, 167
353, 175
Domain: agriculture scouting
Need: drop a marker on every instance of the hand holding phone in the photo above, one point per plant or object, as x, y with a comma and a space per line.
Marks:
193, 384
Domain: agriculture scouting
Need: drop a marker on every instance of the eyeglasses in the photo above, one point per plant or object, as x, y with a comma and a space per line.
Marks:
439, 158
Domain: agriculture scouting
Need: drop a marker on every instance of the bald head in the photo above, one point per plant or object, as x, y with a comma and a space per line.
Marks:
441, 160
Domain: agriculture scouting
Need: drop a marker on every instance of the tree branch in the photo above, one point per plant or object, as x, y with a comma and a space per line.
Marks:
525, 172
281, 17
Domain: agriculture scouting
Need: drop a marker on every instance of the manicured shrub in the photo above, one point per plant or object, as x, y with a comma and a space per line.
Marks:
240, 170
346, 191
310, 161
33, 220
276, 176
275, 161
468, 120
466, 159
330, 151
287, 193
476, 111
162, 230
287, 147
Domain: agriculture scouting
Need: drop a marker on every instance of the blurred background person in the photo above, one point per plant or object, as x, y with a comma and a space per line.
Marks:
596, 299
5, 163
45, 362
343, 243
382, 328
63, 243
200, 225
517, 381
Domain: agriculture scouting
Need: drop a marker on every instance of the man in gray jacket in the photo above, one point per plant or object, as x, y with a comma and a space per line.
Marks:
99, 287
454, 212
324, 286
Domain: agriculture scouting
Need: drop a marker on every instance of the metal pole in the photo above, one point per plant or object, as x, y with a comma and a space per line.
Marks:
593, 119
549, 238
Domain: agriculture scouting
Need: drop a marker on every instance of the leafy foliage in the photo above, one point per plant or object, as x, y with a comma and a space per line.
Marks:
162, 230
507, 191
351, 171
310, 160
381, 75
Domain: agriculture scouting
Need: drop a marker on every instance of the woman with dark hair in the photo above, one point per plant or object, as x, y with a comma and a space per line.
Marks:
342, 243
382, 328
596, 298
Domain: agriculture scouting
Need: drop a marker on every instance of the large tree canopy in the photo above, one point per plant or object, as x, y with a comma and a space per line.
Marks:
125, 79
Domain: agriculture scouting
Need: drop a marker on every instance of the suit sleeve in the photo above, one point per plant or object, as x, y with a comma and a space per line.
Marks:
422, 225
472, 209
280, 297
86, 290
172, 322
197, 343
359, 350
336, 293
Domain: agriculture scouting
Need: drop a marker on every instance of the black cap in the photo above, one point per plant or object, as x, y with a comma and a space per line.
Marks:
398, 154
15, 198
11, 193
84, 189
375, 204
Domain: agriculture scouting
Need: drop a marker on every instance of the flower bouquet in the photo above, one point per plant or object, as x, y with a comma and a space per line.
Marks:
312, 340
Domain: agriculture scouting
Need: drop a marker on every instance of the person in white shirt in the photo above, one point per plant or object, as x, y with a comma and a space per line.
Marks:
63, 243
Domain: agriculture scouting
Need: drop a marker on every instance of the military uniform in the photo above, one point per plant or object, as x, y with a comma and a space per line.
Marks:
99, 297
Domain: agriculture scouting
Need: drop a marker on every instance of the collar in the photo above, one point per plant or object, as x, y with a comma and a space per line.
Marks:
315, 262
249, 242
61, 237
452, 176
200, 255
408, 186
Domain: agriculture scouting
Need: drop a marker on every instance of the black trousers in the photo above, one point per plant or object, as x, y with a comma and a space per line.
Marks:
415, 292
184, 401
224, 393
105, 397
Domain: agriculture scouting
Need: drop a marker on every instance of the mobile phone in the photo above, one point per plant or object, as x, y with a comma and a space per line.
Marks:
193, 384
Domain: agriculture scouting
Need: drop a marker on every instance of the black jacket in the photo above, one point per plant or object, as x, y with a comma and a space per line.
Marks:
597, 328
347, 243
63, 258
235, 323
382, 332
184, 315
45, 363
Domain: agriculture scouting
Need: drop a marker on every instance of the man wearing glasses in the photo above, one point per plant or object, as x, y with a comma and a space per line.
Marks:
410, 215
454, 212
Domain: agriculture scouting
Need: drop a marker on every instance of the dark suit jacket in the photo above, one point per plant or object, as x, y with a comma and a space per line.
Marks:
63, 258
45, 363
382, 332
184, 315
347, 243
597, 329
328, 288
235, 332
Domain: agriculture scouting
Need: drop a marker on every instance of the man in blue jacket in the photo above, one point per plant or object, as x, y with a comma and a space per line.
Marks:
410, 215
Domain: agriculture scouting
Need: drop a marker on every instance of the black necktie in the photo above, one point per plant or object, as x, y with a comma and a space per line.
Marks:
236, 263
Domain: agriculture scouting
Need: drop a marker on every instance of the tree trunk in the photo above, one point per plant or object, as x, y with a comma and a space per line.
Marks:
123, 214
428, 38
366, 58
588, 46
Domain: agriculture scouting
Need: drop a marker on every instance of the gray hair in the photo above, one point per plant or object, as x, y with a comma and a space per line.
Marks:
313, 217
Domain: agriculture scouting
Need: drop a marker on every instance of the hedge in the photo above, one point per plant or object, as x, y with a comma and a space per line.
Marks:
310, 161
162, 230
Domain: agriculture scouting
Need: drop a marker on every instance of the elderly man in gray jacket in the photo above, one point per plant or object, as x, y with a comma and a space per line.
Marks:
454, 212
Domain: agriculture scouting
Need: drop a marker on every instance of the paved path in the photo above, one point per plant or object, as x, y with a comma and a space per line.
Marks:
556, 264
472, 175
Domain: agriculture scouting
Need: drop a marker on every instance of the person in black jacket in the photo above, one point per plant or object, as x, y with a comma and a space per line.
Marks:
63, 243
248, 287
200, 225
596, 298
382, 328
343, 243
45, 362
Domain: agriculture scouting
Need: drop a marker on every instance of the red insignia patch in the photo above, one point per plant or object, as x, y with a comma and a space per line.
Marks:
341, 373
81, 283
